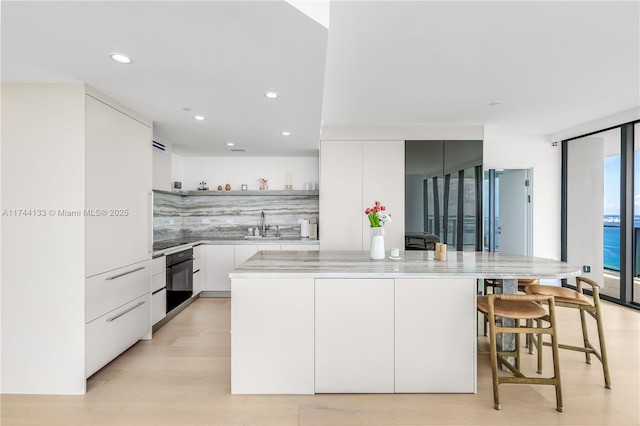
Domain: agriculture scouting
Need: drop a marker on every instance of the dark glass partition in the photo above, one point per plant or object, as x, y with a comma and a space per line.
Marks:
443, 199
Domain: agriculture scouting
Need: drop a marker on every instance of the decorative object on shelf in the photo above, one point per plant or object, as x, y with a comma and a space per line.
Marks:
203, 186
263, 184
244, 187
227, 187
377, 216
441, 252
219, 187
313, 228
304, 228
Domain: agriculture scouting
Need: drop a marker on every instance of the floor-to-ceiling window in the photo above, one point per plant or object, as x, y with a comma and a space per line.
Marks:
601, 212
636, 214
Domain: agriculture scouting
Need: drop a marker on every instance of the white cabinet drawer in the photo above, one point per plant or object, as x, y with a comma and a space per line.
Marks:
158, 281
111, 334
198, 251
159, 264
108, 291
197, 264
158, 306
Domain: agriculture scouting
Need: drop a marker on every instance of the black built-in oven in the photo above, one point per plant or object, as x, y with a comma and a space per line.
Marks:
179, 277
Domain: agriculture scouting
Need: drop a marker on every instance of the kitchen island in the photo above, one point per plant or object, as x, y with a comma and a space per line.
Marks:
337, 322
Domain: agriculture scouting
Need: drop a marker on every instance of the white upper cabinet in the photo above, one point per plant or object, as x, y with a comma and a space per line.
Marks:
118, 188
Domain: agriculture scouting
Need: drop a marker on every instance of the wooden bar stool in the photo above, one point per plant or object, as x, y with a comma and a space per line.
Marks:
520, 307
494, 284
576, 299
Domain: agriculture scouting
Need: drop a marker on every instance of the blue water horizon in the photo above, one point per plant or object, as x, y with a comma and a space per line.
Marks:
611, 241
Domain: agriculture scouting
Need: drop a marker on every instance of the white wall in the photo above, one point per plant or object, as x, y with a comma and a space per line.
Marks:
244, 170
537, 153
43, 152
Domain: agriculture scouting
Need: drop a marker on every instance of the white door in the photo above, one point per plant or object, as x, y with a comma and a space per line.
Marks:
514, 210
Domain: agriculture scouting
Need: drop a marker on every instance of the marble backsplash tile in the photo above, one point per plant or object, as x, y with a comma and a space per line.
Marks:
179, 216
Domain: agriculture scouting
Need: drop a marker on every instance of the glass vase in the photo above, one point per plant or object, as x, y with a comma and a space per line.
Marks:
377, 243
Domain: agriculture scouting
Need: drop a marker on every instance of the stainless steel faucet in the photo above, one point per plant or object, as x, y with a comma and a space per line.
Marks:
262, 224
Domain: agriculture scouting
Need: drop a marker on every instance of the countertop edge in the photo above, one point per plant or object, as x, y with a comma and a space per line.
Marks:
408, 275
226, 242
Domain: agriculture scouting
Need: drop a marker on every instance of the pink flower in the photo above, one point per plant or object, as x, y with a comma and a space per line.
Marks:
383, 208
367, 211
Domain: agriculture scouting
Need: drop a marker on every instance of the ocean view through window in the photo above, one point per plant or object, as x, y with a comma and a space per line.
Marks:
601, 209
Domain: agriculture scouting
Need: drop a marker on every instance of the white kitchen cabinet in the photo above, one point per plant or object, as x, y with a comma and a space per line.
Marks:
340, 205
118, 248
354, 319
219, 262
112, 289
199, 269
158, 281
353, 175
158, 305
383, 180
158, 265
119, 161
112, 333
424, 342
272, 336
158, 289
198, 276
198, 252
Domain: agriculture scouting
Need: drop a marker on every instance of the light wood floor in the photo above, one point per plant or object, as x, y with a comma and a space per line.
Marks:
182, 377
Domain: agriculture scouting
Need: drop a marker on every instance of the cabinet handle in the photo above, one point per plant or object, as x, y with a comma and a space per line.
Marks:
125, 312
196, 271
125, 273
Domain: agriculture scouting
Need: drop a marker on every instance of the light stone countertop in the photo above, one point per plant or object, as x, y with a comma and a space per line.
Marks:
413, 264
185, 243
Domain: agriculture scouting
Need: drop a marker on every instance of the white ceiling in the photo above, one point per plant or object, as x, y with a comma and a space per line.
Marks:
554, 65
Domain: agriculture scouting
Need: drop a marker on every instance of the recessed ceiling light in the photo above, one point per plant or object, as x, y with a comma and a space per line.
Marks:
119, 57
230, 144
495, 103
272, 95
198, 117
286, 133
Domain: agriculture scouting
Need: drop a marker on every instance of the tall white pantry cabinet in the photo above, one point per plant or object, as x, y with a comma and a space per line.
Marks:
76, 197
353, 175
